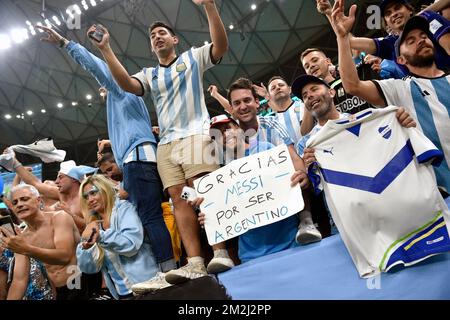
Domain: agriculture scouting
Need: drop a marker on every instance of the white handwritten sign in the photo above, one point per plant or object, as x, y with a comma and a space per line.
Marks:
248, 193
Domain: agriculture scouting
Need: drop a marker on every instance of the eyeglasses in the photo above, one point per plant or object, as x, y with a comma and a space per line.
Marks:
94, 190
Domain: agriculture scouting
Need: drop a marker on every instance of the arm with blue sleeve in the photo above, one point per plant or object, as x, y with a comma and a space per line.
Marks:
94, 65
126, 236
89, 260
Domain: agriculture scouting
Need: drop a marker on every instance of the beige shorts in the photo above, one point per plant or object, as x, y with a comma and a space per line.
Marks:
185, 158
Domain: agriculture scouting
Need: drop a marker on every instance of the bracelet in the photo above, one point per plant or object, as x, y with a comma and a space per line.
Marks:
16, 165
62, 42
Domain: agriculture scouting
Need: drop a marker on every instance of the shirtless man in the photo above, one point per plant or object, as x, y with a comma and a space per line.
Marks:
50, 237
65, 191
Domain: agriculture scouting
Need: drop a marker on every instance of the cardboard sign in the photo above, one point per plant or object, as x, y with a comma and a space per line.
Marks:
248, 193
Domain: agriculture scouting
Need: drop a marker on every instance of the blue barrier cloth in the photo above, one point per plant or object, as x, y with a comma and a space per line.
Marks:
326, 271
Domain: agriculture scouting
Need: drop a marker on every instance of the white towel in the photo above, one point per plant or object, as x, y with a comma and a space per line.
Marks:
43, 149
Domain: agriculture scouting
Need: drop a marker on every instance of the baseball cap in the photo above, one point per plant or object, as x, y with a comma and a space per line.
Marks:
223, 118
302, 81
80, 172
69, 168
415, 22
65, 166
385, 3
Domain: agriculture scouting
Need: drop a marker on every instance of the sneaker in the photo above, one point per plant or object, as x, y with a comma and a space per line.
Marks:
185, 273
307, 233
155, 283
219, 264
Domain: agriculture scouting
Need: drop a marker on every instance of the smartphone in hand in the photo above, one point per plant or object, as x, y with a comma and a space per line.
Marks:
7, 223
97, 34
188, 193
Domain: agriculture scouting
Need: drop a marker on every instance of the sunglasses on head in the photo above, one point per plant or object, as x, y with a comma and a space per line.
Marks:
94, 190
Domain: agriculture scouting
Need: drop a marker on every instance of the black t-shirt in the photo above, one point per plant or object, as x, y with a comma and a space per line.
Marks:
347, 103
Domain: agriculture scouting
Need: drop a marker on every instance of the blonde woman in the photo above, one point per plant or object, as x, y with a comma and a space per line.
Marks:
113, 240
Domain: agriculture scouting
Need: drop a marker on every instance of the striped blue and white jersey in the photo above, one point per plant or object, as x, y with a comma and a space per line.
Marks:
145, 152
269, 131
428, 101
291, 119
177, 93
381, 190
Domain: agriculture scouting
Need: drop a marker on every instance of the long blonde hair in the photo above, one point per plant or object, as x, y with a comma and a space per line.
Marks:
108, 194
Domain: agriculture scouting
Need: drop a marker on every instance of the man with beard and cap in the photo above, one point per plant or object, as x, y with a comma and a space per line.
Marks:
395, 14
424, 94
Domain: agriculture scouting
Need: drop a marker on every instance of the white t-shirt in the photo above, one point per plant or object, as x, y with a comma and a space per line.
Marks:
381, 190
177, 93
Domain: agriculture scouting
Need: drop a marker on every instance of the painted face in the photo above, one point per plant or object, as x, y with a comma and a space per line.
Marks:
92, 196
317, 64
244, 105
25, 203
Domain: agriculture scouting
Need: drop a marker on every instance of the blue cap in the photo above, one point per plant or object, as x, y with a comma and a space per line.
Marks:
79, 172
413, 23
385, 3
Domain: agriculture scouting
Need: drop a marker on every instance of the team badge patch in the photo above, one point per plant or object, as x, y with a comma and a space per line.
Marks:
181, 67
385, 132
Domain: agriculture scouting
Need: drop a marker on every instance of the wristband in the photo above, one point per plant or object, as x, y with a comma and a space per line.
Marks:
62, 43
16, 165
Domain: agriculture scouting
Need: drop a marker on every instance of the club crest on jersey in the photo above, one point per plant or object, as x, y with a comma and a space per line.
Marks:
181, 67
297, 109
385, 132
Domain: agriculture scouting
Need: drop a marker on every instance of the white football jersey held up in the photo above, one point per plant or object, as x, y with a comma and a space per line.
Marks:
381, 189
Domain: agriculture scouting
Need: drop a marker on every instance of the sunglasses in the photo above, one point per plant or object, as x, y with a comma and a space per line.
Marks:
94, 190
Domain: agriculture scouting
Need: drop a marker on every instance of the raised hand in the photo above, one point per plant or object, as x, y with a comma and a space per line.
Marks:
342, 24
324, 7
261, 90
52, 35
105, 40
212, 89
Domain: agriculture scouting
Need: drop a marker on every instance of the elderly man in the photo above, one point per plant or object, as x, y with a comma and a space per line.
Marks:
50, 237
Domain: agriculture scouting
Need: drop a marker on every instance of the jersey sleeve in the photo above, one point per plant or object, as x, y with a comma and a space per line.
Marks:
142, 77
426, 152
301, 145
282, 135
203, 56
390, 90
385, 47
439, 26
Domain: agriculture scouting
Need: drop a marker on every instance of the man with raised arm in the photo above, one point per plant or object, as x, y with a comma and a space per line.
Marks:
176, 88
424, 94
